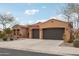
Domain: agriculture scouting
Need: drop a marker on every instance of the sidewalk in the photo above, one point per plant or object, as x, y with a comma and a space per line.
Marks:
40, 46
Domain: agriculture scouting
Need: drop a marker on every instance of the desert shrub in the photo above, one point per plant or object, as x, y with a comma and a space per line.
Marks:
11, 39
76, 40
76, 43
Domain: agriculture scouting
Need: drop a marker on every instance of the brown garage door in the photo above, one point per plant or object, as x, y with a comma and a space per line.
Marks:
35, 33
53, 33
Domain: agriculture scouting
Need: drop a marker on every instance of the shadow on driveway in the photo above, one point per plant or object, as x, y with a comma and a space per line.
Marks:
13, 52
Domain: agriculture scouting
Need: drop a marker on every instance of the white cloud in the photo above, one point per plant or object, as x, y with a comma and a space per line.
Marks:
17, 18
8, 13
42, 20
31, 12
58, 17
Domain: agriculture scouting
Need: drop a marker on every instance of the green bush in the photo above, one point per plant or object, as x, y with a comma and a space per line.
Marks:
8, 31
11, 39
3, 36
4, 39
76, 43
70, 41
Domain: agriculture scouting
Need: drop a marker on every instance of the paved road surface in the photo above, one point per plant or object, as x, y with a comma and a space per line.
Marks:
13, 52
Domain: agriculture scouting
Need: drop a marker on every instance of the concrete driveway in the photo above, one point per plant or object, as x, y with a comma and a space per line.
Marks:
22, 43
34, 45
43, 46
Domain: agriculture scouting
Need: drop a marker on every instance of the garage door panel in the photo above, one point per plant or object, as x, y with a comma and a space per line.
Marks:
53, 33
35, 33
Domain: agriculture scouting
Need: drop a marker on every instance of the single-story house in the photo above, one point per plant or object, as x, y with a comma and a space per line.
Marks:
52, 29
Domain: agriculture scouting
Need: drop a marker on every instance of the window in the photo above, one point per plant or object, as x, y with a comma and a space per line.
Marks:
18, 31
14, 32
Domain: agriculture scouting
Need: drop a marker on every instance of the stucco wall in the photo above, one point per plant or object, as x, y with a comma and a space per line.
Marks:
23, 32
52, 24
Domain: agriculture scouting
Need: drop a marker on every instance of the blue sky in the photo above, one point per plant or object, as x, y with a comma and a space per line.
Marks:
28, 13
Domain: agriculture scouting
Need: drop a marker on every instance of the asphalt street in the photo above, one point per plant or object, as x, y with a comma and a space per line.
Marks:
13, 52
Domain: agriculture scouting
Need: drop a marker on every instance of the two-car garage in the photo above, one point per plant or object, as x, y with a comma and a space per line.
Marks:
52, 29
53, 33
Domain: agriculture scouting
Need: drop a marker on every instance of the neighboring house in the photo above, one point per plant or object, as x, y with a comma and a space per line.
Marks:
20, 31
52, 29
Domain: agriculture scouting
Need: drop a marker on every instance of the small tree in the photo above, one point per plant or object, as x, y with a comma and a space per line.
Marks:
66, 13
8, 31
5, 21
69, 10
